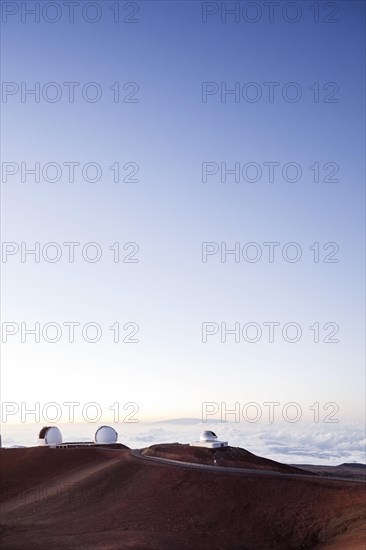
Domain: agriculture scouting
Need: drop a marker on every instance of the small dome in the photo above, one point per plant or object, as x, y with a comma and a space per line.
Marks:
106, 434
208, 436
50, 435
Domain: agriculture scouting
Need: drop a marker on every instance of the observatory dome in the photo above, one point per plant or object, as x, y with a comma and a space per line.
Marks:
50, 435
106, 434
208, 436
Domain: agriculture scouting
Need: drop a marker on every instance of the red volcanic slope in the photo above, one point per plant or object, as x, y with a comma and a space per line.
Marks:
351, 471
234, 457
93, 498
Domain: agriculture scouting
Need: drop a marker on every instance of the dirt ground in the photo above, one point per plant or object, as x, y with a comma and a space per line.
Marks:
93, 498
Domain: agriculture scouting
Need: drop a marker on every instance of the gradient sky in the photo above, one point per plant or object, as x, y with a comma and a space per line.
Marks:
169, 133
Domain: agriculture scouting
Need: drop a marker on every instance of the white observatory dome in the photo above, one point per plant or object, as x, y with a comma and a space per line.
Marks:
106, 434
50, 435
208, 436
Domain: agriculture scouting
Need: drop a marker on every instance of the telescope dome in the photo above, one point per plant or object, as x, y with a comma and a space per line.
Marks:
106, 435
50, 435
208, 436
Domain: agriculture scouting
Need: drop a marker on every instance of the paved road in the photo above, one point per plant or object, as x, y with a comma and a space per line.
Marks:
243, 471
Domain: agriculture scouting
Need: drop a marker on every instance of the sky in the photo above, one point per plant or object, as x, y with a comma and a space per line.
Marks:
176, 95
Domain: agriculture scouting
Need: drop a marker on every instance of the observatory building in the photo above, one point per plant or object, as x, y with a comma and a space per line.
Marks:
105, 435
209, 439
50, 436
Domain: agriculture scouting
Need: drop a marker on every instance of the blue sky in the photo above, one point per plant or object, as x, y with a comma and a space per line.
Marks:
170, 211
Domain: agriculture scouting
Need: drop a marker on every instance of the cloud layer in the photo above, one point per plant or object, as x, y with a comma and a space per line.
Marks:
328, 444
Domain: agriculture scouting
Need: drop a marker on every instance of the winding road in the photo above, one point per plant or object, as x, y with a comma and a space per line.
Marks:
136, 453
